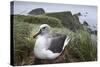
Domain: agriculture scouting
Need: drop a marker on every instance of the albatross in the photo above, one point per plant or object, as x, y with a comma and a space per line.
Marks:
49, 45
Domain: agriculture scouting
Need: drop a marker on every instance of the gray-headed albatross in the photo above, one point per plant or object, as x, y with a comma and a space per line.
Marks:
49, 45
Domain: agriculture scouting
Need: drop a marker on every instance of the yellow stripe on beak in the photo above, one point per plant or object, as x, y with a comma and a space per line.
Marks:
34, 36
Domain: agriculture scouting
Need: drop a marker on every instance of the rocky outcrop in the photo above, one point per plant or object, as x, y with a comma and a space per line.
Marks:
37, 11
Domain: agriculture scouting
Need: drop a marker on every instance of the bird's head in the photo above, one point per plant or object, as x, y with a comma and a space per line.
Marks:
44, 29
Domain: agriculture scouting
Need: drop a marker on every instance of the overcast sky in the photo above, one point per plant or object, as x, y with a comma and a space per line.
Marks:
89, 13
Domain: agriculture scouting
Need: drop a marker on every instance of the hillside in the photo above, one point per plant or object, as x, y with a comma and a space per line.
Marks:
37, 11
68, 20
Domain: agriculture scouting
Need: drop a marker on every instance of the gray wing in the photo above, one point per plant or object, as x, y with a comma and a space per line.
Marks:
57, 43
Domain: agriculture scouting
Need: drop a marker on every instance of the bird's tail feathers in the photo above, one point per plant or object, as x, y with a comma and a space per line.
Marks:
66, 42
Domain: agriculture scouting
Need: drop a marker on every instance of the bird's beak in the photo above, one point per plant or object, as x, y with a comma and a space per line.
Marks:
37, 33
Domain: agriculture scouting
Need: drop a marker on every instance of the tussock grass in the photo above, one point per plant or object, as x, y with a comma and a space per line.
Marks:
23, 45
82, 47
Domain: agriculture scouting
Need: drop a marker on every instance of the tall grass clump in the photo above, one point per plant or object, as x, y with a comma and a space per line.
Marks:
82, 47
23, 44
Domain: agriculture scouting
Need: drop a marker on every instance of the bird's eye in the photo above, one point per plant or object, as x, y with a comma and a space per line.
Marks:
44, 27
